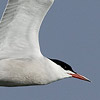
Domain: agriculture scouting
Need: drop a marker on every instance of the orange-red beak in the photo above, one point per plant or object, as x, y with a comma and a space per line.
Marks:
80, 77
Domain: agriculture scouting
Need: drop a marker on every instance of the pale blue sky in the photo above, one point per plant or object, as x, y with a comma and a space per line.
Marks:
70, 32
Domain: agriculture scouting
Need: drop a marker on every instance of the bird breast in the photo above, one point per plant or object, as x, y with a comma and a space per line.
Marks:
21, 72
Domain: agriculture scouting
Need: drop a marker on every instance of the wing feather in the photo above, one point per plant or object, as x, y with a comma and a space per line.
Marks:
20, 25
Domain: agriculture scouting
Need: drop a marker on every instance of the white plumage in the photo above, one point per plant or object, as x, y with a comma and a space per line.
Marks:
21, 61
20, 25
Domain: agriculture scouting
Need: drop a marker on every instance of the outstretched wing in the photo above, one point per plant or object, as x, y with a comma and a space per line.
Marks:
19, 27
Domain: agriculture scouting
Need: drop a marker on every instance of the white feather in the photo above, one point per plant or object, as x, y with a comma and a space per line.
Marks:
21, 62
20, 26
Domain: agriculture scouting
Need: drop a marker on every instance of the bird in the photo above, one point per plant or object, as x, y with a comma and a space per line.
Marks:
21, 61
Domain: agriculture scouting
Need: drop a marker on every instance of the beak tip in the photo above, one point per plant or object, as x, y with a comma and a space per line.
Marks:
80, 77
88, 80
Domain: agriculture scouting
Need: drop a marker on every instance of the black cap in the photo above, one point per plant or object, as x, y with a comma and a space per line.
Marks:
64, 65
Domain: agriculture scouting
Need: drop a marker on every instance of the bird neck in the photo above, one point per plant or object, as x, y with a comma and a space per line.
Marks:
55, 71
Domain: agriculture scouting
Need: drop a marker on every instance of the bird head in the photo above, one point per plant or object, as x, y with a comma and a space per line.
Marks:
69, 71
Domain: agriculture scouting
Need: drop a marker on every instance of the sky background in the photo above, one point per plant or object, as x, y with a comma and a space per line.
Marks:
69, 32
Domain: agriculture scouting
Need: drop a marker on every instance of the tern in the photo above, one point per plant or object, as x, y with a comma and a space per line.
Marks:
21, 61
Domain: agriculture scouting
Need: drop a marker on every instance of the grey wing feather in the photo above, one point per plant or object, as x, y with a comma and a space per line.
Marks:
7, 17
19, 27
